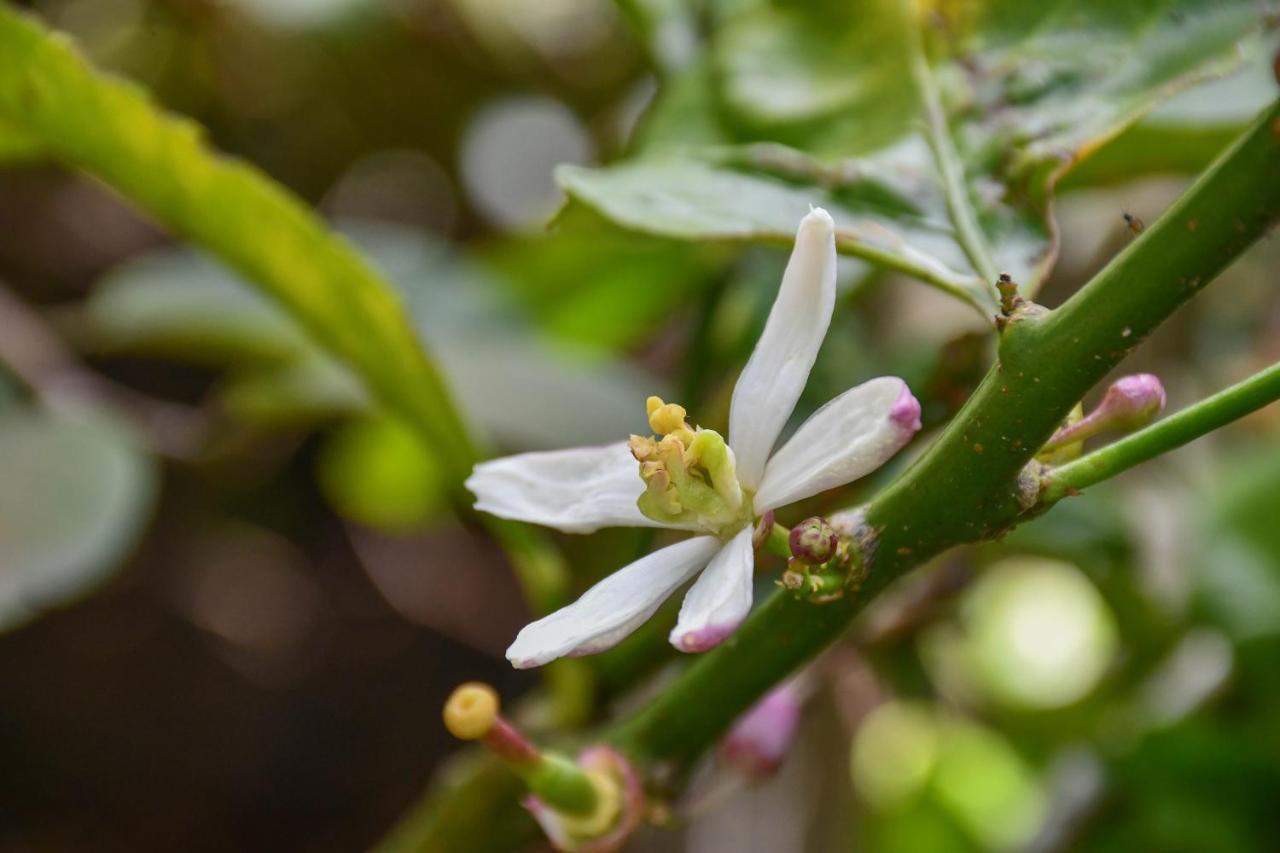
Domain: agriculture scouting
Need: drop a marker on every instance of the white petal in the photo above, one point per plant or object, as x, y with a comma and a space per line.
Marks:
779, 366
577, 491
720, 599
613, 608
846, 439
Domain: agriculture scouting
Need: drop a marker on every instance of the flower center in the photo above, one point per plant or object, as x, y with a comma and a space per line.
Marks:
689, 473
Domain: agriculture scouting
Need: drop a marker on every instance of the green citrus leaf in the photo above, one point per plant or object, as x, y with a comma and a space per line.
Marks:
75, 494
934, 134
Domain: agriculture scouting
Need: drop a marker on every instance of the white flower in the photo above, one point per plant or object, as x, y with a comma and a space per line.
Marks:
692, 480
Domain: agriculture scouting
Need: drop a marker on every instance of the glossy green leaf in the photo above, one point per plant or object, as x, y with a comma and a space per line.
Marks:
74, 496
1184, 134
935, 135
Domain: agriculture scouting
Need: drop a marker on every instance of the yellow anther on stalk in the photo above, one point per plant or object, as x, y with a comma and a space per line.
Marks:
471, 711
668, 419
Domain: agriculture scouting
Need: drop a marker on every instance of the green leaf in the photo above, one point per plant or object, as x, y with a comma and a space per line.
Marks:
690, 199
109, 128
595, 284
517, 389
935, 138
1184, 134
176, 305
74, 497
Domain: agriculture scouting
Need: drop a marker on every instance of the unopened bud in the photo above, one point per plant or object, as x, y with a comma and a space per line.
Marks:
759, 741
1130, 403
814, 541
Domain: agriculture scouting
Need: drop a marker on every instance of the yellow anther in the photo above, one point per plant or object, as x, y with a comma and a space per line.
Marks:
668, 418
652, 404
471, 711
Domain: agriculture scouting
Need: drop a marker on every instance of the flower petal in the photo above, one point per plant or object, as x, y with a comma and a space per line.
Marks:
847, 438
779, 366
720, 599
614, 607
578, 490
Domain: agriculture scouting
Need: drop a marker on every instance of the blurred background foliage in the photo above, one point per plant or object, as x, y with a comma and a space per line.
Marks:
235, 592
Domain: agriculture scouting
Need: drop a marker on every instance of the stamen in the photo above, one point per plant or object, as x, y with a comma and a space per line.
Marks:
471, 711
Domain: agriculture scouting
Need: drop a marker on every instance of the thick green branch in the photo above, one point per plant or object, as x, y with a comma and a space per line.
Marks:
1174, 431
966, 487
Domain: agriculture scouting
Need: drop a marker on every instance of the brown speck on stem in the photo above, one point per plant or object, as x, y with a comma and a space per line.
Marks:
904, 551
977, 448
1193, 224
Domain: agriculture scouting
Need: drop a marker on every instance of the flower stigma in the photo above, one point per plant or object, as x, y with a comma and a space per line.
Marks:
689, 474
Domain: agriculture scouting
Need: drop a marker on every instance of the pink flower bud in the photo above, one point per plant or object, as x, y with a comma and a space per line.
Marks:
760, 739
1130, 403
813, 541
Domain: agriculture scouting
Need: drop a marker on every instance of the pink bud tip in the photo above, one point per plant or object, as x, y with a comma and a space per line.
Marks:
1133, 401
905, 411
759, 741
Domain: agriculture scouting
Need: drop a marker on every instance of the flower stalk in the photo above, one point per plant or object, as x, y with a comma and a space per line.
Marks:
1191, 423
591, 805
1130, 403
472, 713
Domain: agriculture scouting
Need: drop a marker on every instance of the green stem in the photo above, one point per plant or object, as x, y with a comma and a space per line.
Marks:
966, 487
955, 188
778, 542
1174, 431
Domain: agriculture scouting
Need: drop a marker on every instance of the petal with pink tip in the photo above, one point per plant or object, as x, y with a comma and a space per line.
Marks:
847, 438
614, 607
720, 599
